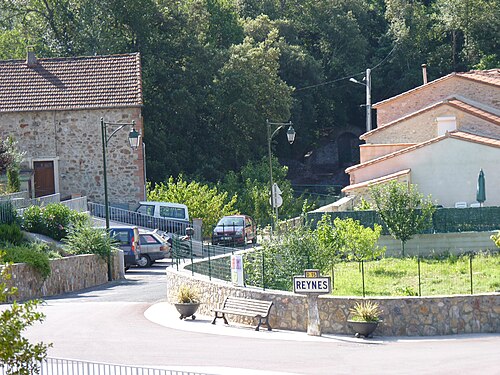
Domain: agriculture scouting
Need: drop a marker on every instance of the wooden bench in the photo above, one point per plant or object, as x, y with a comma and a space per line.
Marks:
246, 307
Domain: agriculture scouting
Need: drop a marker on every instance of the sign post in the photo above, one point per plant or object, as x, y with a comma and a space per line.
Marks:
237, 270
312, 284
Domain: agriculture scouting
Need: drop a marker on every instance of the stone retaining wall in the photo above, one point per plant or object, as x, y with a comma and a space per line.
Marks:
67, 275
402, 316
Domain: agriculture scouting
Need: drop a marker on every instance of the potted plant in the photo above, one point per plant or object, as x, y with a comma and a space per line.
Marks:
365, 318
187, 302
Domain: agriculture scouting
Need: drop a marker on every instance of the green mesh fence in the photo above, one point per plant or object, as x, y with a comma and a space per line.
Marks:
444, 220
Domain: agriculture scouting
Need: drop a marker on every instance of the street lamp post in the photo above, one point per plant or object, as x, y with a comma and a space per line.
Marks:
368, 85
133, 138
290, 134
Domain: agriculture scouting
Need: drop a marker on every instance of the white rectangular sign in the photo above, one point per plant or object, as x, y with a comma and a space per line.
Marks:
312, 285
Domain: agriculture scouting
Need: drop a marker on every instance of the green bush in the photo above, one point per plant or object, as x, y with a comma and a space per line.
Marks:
53, 220
32, 254
85, 239
32, 219
11, 233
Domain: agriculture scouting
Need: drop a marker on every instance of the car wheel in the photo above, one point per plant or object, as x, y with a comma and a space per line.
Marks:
144, 261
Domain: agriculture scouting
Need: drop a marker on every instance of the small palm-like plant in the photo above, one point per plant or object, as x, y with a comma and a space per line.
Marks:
187, 295
366, 311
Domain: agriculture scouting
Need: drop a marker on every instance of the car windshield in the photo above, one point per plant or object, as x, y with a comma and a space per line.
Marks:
231, 221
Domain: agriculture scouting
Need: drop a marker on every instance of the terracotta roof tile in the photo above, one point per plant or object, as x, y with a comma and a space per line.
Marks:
71, 83
491, 76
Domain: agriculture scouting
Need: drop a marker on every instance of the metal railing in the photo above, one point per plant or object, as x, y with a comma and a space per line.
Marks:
58, 366
77, 204
137, 219
203, 258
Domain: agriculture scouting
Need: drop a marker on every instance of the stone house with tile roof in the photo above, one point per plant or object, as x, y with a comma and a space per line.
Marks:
53, 107
437, 136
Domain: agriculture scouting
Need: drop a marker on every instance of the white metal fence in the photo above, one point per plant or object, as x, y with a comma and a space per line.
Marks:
58, 366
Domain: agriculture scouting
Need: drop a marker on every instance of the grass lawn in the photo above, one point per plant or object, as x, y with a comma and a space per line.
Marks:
399, 277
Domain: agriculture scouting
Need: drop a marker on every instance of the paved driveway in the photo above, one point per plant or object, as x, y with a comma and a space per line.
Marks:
107, 324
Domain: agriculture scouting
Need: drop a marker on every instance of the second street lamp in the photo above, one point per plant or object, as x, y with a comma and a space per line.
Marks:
134, 139
272, 129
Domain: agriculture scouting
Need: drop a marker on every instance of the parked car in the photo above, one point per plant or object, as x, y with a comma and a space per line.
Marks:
235, 230
153, 247
166, 216
128, 241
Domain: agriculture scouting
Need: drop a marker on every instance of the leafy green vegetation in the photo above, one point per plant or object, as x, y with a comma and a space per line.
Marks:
366, 311
203, 202
11, 234
403, 209
53, 220
85, 239
33, 254
16, 352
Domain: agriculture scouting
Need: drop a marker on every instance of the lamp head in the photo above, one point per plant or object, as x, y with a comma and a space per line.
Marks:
134, 138
290, 134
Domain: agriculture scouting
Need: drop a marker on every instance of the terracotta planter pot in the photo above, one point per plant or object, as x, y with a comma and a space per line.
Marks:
187, 310
364, 329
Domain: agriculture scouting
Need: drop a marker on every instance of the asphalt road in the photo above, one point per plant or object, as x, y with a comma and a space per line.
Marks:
107, 324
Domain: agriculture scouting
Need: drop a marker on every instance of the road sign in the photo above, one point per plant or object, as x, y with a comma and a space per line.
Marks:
278, 201
311, 282
276, 192
276, 189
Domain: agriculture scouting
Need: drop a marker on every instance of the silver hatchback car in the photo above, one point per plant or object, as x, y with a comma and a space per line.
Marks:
153, 247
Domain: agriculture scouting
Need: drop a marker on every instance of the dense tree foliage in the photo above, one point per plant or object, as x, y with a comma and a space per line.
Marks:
215, 70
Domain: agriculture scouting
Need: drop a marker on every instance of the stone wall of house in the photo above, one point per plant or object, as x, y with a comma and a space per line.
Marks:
72, 139
423, 127
402, 316
67, 275
434, 92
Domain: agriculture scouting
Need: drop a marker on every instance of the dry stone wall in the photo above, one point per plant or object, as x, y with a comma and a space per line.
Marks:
402, 316
67, 275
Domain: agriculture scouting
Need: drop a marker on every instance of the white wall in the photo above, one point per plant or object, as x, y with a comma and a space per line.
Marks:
447, 170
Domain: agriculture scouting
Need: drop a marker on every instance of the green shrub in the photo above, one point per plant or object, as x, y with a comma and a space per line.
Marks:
16, 351
53, 220
32, 254
32, 219
85, 239
11, 233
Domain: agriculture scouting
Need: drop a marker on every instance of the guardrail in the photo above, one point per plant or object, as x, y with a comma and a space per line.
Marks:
140, 220
59, 366
77, 204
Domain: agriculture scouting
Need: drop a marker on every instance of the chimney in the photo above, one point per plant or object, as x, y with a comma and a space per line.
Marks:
424, 73
30, 57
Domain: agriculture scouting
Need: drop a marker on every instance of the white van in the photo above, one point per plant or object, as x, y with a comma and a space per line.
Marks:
166, 210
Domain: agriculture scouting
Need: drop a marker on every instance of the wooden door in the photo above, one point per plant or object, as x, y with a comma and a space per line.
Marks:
44, 178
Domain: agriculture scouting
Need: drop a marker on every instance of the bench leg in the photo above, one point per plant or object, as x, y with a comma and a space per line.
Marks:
266, 323
223, 316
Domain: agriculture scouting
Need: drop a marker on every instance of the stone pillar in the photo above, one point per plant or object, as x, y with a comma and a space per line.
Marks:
313, 322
